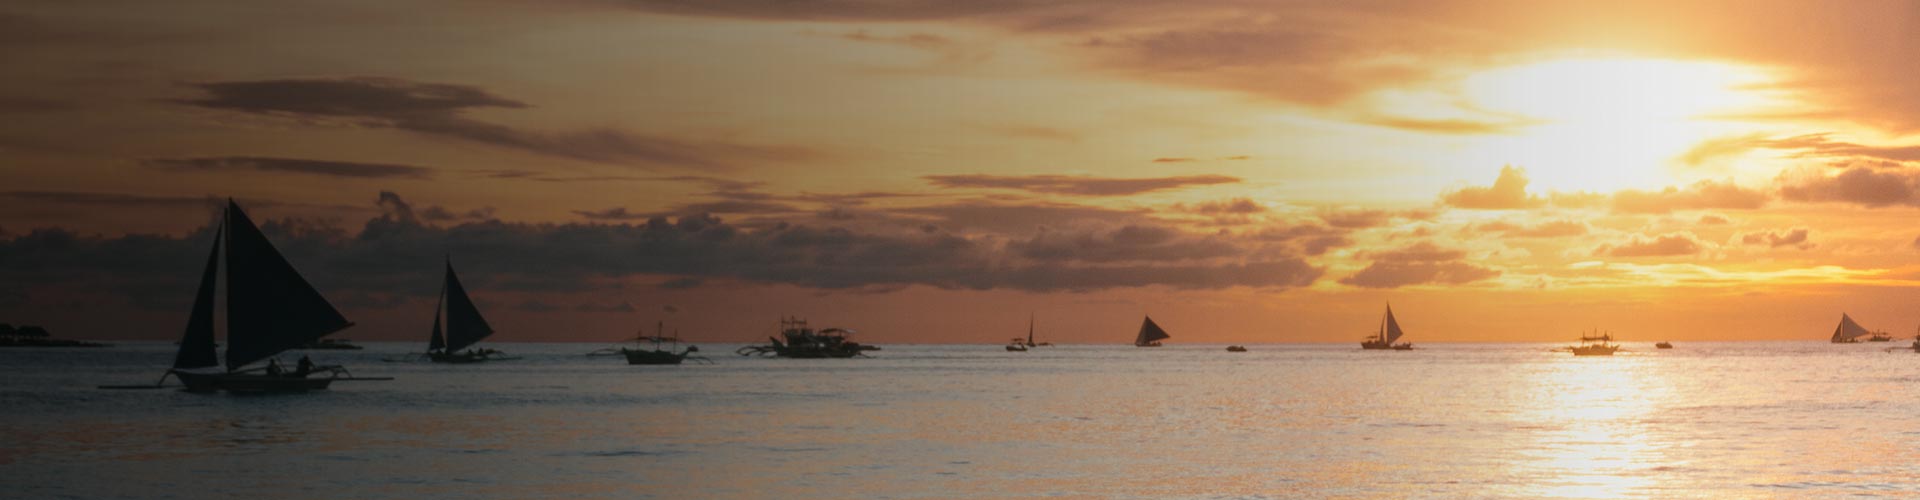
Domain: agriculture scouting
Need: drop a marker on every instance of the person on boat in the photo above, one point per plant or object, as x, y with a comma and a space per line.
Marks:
273, 367
303, 368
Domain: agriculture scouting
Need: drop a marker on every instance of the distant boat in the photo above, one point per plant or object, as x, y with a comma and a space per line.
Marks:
1150, 334
1663, 345
331, 344
1595, 344
1880, 337
270, 309
1236, 348
465, 326
657, 355
1850, 332
802, 341
1389, 332
34, 336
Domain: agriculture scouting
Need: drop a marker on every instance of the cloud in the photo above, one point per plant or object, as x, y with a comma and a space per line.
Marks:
1036, 132
1856, 184
396, 253
1700, 195
293, 165
1174, 160
1131, 243
1235, 206
1797, 238
1508, 192
1662, 246
1714, 220
438, 109
1420, 263
1077, 185
1554, 229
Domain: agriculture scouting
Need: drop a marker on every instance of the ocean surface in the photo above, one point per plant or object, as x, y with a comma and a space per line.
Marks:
1704, 420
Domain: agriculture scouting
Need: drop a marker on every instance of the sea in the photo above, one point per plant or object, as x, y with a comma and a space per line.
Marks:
1702, 420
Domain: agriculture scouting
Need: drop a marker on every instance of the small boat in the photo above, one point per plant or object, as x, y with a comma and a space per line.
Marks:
465, 326
802, 341
657, 355
35, 336
1663, 345
1150, 334
270, 309
1389, 332
1880, 337
331, 345
1236, 348
1020, 345
1595, 344
1849, 332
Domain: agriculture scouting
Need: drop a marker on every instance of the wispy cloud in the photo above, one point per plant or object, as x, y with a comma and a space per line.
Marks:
1077, 185
293, 165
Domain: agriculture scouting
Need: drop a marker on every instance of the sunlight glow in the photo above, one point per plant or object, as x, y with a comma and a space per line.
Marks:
1608, 124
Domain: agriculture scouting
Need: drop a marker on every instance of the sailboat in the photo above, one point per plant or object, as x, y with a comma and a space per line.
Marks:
1150, 334
465, 326
270, 309
1016, 345
1848, 332
1389, 332
656, 355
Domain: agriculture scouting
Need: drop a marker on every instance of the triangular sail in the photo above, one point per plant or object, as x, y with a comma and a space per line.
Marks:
1848, 329
1391, 331
270, 308
438, 342
1150, 332
197, 349
464, 324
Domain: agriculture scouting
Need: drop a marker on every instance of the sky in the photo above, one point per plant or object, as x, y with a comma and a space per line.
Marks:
927, 171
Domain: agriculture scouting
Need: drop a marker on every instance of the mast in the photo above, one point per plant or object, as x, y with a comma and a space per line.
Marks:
1030, 330
270, 307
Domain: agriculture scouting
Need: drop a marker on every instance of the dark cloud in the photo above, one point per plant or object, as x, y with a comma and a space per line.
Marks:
293, 165
1668, 245
1077, 185
1418, 264
1132, 243
1856, 184
1235, 206
1508, 192
1797, 238
1701, 195
438, 109
1174, 160
397, 254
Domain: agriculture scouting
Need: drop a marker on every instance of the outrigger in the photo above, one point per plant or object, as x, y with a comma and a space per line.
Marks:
803, 341
270, 309
465, 327
656, 356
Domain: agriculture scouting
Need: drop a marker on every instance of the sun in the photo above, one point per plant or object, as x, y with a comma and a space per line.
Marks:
1611, 123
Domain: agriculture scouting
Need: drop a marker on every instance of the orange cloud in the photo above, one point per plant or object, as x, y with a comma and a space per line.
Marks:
1508, 192
1663, 246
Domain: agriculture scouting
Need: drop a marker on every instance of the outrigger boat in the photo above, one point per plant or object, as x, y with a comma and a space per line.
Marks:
331, 345
1663, 345
1389, 332
1236, 348
657, 356
1150, 334
465, 327
270, 309
1850, 332
1595, 344
803, 342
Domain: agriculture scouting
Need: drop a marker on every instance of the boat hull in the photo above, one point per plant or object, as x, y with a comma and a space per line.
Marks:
1015, 348
639, 357
461, 358
250, 383
1595, 350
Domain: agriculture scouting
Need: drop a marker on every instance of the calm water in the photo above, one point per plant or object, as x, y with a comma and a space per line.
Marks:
1722, 420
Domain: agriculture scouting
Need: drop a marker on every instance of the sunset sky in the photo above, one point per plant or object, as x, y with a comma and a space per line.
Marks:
935, 171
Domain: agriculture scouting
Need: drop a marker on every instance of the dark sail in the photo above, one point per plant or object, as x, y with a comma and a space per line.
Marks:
1150, 332
464, 324
270, 308
196, 346
438, 343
